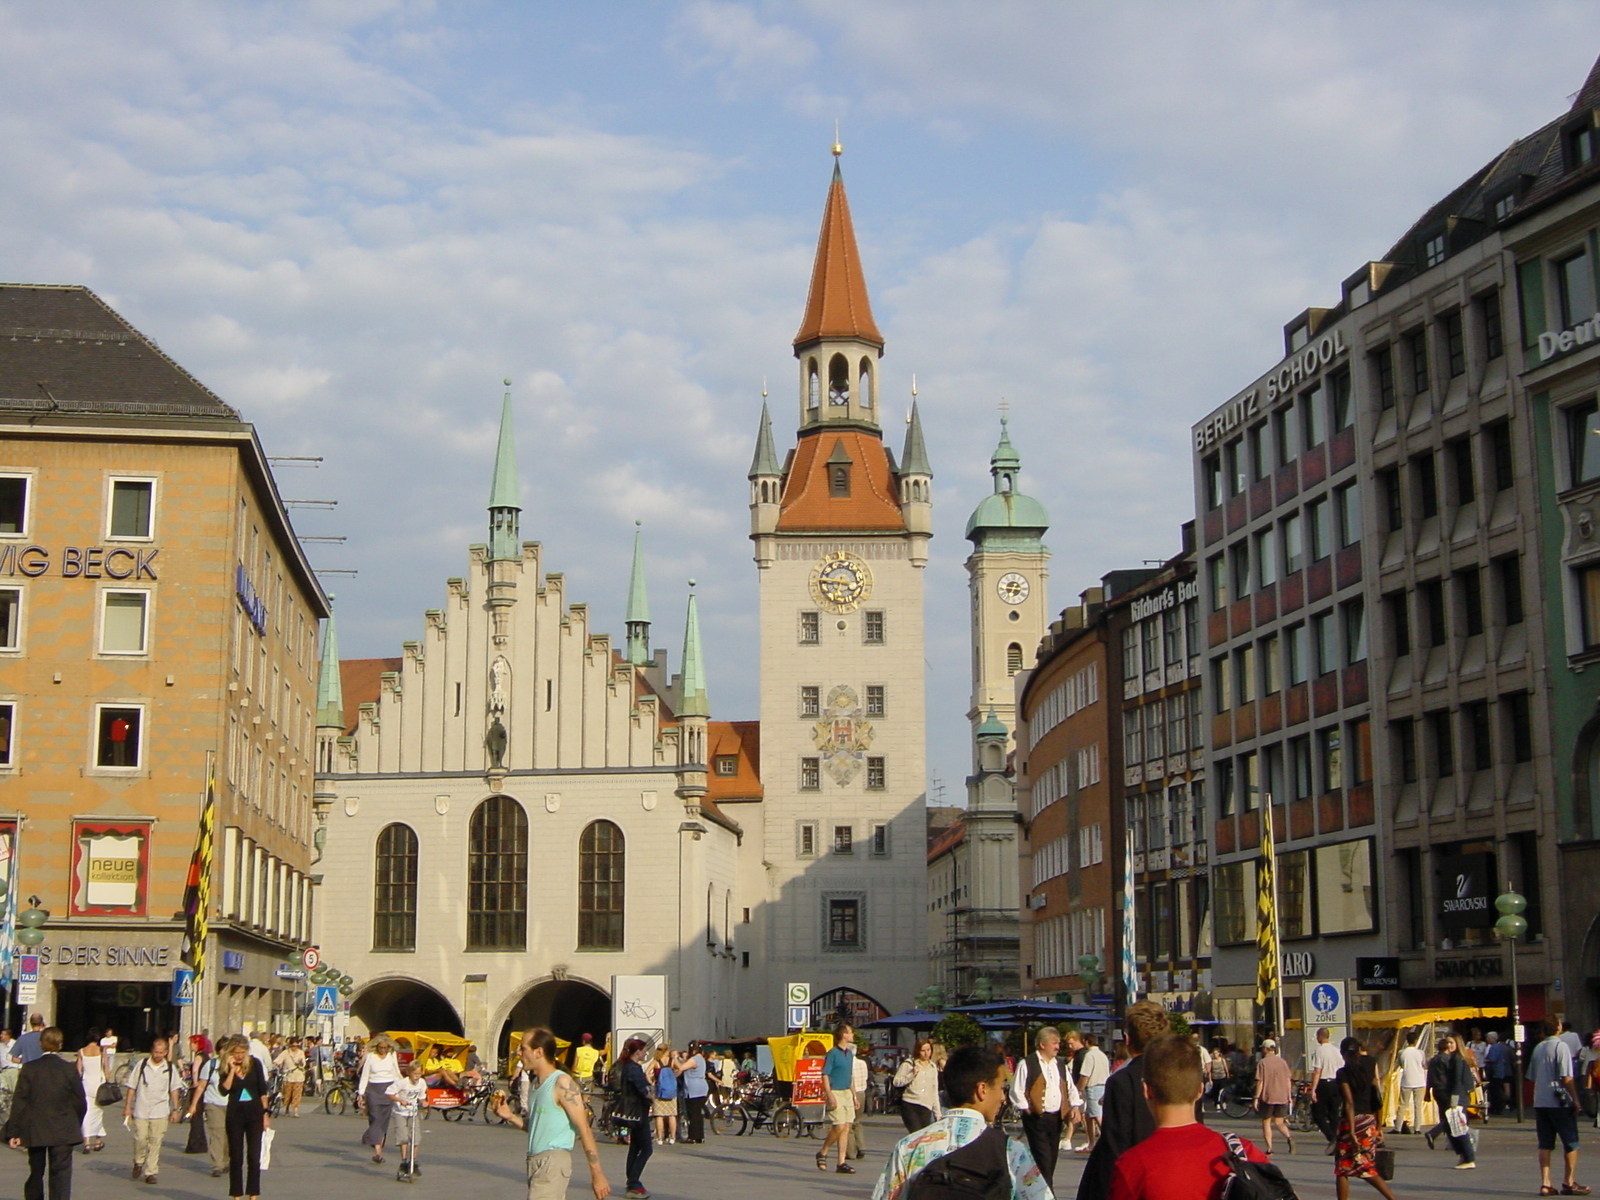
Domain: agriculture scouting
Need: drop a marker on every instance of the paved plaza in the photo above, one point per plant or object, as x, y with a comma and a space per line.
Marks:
321, 1156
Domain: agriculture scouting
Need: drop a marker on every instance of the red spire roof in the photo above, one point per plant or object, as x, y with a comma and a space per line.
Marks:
837, 305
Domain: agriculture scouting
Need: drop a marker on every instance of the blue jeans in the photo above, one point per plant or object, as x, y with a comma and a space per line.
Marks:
640, 1148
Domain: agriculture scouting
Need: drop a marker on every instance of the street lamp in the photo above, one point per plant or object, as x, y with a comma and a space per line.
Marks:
1089, 972
31, 919
1511, 926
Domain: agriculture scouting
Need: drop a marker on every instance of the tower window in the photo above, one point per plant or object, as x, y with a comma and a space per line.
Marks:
866, 383
838, 380
872, 627
839, 479
813, 385
844, 839
810, 628
810, 700
876, 774
810, 774
875, 700
1013, 658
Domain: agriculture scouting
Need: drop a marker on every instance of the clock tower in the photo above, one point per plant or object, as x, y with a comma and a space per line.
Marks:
1007, 572
840, 535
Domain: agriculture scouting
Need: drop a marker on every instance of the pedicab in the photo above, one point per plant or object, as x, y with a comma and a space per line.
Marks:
798, 1082
453, 1102
1384, 1031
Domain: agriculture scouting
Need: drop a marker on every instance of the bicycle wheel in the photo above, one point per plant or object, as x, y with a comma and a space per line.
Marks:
1237, 1106
786, 1122
458, 1113
730, 1121
334, 1102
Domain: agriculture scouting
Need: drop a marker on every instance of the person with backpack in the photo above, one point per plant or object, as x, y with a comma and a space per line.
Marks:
1043, 1091
1127, 1120
963, 1155
1182, 1159
153, 1101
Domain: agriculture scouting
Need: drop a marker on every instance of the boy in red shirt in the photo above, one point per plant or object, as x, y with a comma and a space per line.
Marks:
1182, 1160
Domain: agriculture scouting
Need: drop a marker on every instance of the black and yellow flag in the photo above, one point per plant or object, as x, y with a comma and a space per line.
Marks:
1266, 914
197, 894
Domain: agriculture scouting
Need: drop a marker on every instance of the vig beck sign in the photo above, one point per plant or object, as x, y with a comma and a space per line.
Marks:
1297, 369
79, 562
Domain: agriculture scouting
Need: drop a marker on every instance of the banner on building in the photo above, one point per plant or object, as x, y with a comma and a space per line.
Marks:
1267, 980
197, 894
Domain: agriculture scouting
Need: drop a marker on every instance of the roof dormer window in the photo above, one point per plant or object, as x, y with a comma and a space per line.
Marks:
1433, 251
839, 471
1583, 146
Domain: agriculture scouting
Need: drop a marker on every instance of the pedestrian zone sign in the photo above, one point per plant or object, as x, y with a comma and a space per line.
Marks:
327, 1001
183, 986
1324, 1002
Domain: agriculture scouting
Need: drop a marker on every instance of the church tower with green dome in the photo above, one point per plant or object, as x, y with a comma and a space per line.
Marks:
1007, 572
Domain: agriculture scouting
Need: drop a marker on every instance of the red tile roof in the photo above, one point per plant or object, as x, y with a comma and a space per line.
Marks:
358, 677
742, 740
837, 305
872, 503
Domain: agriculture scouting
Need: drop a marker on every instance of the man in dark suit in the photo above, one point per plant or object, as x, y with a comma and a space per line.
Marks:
47, 1117
1127, 1119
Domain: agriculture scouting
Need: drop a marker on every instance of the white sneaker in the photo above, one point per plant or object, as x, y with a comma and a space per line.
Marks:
1471, 1166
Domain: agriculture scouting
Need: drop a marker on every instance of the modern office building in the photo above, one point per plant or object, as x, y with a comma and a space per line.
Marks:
156, 616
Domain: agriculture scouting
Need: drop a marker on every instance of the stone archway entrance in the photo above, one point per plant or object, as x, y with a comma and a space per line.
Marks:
405, 1004
568, 1008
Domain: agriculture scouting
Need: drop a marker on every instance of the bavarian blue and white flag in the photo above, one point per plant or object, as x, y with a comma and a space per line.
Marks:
10, 838
1130, 972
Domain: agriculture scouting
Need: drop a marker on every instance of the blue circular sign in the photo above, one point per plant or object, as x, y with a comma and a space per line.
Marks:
1325, 998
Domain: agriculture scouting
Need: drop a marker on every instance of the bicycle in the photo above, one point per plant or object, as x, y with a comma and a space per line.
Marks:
340, 1093
1300, 1111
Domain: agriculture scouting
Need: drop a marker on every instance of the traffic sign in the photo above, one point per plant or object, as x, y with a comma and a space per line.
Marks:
27, 993
1324, 1003
183, 988
327, 1001
798, 993
285, 971
27, 968
799, 1016
311, 958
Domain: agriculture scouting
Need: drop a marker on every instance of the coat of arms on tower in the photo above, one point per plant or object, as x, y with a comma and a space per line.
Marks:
843, 735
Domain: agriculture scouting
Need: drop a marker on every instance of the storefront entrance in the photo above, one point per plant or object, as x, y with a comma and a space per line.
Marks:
138, 1012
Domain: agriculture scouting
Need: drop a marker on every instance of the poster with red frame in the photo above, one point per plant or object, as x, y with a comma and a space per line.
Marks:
110, 868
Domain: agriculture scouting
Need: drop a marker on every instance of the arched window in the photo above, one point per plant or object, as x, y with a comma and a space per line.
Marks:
497, 876
865, 376
600, 887
394, 890
813, 385
838, 380
1013, 659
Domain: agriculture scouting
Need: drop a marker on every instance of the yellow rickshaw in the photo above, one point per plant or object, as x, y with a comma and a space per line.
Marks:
416, 1045
798, 1081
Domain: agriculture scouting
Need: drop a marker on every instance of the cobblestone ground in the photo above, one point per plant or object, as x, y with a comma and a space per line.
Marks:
321, 1156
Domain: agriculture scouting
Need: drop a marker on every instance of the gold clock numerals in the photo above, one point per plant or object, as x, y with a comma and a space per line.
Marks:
840, 582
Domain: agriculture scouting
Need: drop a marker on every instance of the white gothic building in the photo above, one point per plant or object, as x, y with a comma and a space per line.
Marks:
514, 809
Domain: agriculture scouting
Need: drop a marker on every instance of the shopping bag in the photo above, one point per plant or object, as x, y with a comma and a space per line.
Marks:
197, 1133
1384, 1161
266, 1147
1455, 1120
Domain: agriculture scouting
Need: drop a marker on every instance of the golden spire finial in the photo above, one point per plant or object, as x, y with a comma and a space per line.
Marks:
763, 387
838, 147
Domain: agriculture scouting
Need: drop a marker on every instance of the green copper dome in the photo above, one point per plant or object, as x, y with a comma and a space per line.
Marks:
1006, 519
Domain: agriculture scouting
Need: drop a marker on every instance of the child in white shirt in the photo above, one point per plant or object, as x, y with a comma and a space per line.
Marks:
405, 1122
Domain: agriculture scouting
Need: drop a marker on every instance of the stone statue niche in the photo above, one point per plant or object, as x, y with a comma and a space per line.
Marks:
496, 739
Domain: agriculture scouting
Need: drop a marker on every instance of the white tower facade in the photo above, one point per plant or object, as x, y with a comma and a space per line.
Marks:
840, 535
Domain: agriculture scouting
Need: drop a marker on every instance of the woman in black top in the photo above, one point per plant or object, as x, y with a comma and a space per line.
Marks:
246, 1088
1356, 1144
1450, 1080
633, 1103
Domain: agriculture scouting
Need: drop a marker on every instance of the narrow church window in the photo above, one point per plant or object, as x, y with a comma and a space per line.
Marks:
1013, 658
394, 901
880, 840
866, 383
807, 847
875, 774
497, 876
458, 699
813, 385
838, 380
810, 774
600, 884
549, 693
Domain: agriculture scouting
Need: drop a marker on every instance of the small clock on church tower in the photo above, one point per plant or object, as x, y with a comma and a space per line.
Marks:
1013, 588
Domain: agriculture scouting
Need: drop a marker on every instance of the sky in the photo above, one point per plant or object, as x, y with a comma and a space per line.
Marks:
353, 218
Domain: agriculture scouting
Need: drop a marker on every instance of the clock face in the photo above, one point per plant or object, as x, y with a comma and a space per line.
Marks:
1013, 588
840, 582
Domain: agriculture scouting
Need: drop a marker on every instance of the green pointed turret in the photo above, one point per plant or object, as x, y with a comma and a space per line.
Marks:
1006, 519
330, 689
914, 461
692, 700
504, 502
638, 614
991, 727
765, 461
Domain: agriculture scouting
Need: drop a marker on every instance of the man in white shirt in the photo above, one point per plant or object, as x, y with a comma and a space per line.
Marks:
151, 1105
1326, 1099
858, 1085
259, 1052
1043, 1093
1092, 1075
1413, 1085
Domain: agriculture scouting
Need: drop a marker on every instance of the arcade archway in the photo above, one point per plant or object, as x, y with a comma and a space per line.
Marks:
568, 1008
405, 1004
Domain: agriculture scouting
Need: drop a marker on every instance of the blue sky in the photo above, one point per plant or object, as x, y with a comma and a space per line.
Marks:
352, 219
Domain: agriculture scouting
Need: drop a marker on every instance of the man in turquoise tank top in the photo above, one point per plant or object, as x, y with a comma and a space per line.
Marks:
557, 1115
